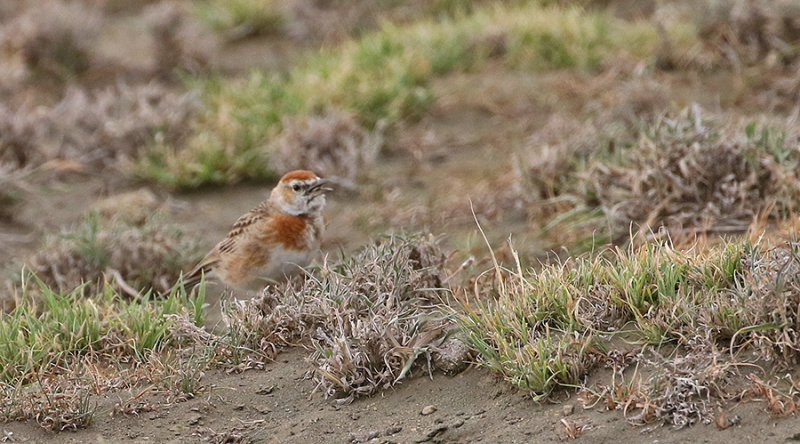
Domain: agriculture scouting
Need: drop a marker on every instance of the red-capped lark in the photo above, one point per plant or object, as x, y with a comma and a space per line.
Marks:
271, 241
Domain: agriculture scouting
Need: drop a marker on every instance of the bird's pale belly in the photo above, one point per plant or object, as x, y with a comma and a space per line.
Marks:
285, 262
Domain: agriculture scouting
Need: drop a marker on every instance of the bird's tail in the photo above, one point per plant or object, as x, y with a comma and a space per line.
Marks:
191, 280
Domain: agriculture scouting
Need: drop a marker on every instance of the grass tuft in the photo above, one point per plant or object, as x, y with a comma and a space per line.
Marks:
242, 18
679, 173
129, 257
332, 144
743, 33
53, 329
369, 319
384, 78
713, 310
53, 38
181, 43
60, 350
109, 127
689, 173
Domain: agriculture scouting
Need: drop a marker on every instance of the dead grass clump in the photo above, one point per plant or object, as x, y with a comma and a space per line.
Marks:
131, 207
687, 173
382, 318
690, 387
629, 102
180, 41
13, 186
779, 92
132, 258
768, 297
54, 37
333, 144
548, 168
369, 318
58, 405
490, 200
100, 128
777, 403
554, 153
617, 102
111, 127
746, 32
18, 135
18, 152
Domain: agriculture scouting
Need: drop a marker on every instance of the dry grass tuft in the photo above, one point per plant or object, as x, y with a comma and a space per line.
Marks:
181, 42
328, 22
333, 144
54, 37
150, 256
18, 152
684, 172
18, 131
55, 402
100, 128
768, 299
629, 101
746, 32
688, 173
689, 388
777, 403
131, 207
13, 188
369, 318
549, 158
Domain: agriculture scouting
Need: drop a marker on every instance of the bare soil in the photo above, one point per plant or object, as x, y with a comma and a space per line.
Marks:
277, 405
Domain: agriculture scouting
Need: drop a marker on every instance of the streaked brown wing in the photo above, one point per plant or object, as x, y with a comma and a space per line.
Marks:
204, 267
227, 245
241, 226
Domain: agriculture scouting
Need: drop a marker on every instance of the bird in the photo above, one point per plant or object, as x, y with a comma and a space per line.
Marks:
271, 241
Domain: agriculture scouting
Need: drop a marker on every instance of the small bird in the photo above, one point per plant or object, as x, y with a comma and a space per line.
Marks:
273, 240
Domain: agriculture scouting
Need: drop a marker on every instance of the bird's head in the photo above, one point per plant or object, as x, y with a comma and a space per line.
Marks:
300, 193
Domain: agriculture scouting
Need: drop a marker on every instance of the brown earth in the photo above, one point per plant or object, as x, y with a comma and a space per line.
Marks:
277, 405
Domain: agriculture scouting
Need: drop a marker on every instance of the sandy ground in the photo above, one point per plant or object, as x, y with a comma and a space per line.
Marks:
276, 405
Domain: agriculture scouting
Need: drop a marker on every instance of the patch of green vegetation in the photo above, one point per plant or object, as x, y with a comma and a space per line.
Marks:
205, 165
242, 17
55, 328
696, 320
385, 76
547, 327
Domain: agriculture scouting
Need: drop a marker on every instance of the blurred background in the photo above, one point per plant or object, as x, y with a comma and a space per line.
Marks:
134, 132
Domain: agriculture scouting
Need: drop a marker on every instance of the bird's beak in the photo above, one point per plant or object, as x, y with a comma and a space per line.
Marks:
320, 187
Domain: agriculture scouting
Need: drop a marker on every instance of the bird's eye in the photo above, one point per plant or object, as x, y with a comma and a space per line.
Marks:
296, 187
